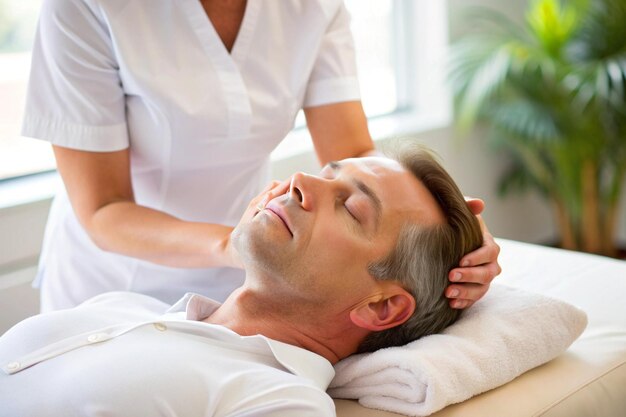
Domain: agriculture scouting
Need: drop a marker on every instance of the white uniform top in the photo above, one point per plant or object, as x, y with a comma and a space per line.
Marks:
200, 122
125, 354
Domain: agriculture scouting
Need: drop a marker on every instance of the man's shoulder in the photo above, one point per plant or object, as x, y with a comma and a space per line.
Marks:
288, 396
125, 298
125, 305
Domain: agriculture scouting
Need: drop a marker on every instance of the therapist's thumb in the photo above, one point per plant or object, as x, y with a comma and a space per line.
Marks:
476, 205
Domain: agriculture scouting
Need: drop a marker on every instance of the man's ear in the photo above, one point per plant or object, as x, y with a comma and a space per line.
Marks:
392, 309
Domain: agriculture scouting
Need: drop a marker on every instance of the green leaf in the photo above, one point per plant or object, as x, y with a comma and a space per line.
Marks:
532, 122
486, 80
552, 24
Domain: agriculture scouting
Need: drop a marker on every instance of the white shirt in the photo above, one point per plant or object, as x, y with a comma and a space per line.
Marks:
200, 122
125, 354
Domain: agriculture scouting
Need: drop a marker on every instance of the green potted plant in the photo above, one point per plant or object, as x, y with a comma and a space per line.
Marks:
552, 92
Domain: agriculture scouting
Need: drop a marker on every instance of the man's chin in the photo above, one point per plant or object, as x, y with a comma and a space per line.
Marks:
259, 250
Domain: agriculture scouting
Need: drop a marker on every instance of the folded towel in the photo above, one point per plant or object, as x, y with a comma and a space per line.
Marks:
502, 336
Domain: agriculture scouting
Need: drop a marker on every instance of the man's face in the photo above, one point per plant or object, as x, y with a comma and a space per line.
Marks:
314, 243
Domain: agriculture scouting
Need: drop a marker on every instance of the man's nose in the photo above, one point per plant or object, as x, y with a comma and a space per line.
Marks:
303, 189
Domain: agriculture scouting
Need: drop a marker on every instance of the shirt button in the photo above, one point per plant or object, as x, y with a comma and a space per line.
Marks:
92, 338
13, 366
160, 327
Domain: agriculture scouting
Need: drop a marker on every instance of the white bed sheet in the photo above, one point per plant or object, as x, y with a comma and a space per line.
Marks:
590, 378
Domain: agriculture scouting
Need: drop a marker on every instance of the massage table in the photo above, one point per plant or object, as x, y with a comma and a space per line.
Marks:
589, 379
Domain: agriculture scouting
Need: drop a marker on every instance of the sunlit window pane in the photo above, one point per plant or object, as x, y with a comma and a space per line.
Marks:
18, 156
372, 27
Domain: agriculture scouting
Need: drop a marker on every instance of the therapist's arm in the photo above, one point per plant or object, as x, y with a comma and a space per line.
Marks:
101, 194
340, 131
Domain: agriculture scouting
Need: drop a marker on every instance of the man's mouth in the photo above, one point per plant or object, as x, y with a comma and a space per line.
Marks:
280, 213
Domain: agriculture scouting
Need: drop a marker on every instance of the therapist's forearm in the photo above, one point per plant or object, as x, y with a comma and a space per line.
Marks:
371, 152
136, 231
339, 131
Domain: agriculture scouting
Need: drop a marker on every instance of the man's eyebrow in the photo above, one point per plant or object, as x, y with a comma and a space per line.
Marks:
365, 189
334, 165
373, 198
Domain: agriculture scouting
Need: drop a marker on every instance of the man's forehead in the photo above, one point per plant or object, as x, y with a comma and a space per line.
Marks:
382, 176
372, 163
397, 188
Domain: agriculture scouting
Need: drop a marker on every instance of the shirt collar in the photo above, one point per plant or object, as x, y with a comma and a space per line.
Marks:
303, 362
296, 360
197, 307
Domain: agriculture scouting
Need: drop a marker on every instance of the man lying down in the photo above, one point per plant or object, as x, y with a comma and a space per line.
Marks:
355, 259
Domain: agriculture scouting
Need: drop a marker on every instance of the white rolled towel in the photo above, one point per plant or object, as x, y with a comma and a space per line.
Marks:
507, 333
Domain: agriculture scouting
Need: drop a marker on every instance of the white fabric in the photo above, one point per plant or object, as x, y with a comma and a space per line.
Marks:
124, 354
504, 335
200, 122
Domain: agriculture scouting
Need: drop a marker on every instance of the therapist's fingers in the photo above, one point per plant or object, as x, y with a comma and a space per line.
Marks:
464, 295
476, 205
278, 188
478, 268
271, 191
260, 200
269, 186
485, 255
262, 196
482, 275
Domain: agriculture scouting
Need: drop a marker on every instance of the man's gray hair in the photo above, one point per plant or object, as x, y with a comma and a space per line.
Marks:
424, 255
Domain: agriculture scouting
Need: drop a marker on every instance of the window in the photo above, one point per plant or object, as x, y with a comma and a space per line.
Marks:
18, 156
373, 23
401, 50
378, 29
385, 32
400, 47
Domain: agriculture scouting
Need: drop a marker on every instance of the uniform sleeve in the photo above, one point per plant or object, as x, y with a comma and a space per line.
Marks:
334, 75
75, 97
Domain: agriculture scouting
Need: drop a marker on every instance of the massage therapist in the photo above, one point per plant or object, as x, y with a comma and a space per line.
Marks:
162, 116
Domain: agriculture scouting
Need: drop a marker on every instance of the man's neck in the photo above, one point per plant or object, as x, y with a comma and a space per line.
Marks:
247, 313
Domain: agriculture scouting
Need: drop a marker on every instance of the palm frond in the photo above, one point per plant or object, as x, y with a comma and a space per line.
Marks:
529, 121
485, 80
486, 20
516, 178
598, 51
602, 33
538, 165
553, 24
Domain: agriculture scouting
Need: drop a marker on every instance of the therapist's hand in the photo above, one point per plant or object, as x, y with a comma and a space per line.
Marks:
271, 191
471, 280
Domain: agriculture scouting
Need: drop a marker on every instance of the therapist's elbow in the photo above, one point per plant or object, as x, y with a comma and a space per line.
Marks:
105, 227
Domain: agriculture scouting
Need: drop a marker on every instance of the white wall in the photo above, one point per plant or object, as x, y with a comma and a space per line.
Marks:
21, 232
